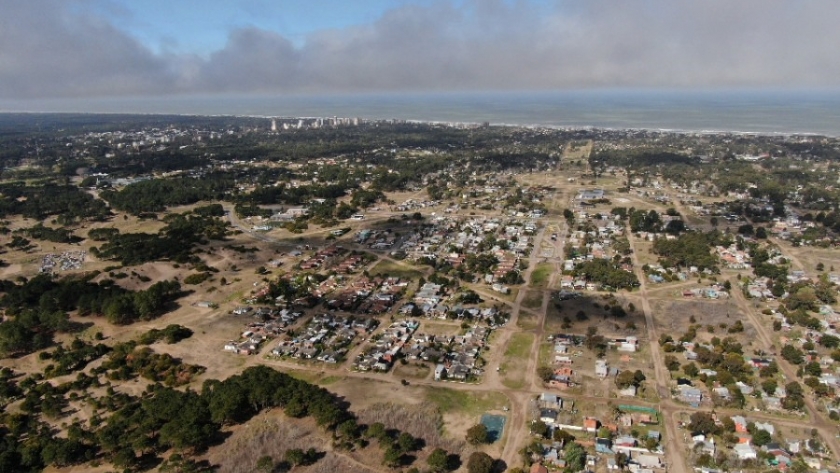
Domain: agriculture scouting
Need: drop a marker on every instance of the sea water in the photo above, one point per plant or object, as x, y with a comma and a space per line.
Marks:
747, 111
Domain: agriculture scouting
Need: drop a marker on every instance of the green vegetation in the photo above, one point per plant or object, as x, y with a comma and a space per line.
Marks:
127, 362
68, 204
64, 361
38, 307
541, 274
690, 249
607, 274
466, 402
515, 360
173, 333
155, 195
174, 242
57, 235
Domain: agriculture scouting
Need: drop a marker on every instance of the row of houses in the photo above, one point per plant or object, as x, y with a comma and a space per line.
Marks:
385, 348
461, 360
326, 338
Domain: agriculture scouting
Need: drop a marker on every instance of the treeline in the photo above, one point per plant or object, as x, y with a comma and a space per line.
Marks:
37, 308
67, 203
155, 195
57, 235
640, 157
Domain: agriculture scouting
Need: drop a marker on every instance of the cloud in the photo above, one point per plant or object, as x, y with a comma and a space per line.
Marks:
48, 48
50, 51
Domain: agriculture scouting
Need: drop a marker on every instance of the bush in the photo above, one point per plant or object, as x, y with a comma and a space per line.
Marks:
196, 278
477, 434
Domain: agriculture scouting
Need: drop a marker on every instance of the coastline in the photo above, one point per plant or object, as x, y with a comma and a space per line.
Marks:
804, 113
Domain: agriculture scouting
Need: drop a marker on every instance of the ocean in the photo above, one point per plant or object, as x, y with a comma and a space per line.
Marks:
762, 112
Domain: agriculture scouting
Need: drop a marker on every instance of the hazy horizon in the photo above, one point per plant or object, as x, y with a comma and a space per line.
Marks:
748, 111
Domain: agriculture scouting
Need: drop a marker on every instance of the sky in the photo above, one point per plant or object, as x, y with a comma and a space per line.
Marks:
53, 49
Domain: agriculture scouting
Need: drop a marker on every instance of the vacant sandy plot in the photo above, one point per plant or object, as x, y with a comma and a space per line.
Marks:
515, 361
674, 317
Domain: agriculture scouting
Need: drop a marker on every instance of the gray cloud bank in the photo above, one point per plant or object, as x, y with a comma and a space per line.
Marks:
55, 48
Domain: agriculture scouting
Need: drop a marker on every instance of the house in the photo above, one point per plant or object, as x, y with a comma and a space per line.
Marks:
766, 426
629, 391
603, 446
538, 468
601, 368
591, 424
440, 372
690, 395
740, 424
624, 441
549, 416
648, 461
723, 393
551, 401
772, 403
745, 451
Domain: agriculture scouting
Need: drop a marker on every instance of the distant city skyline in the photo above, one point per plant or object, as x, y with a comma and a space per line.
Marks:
55, 49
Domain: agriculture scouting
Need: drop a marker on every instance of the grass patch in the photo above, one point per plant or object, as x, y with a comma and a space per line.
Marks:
390, 268
413, 371
541, 274
533, 300
470, 403
546, 354
527, 321
313, 377
433, 328
516, 360
519, 345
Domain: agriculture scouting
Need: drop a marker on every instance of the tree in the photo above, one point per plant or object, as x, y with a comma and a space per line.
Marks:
575, 457
792, 354
439, 460
540, 428
671, 363
265, 464
480, 462
702, 423
761, 438
295, 456
561, 435
813, 368
625, 379
545, 373
477, 434
393, 456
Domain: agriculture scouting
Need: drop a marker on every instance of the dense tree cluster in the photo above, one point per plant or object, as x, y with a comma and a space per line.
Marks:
173, 333
689, 249
173, 242
57, 235
607, 273
38, 307
127, 362
155, 195
67, 203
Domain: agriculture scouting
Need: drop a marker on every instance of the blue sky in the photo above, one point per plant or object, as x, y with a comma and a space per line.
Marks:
106, 48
